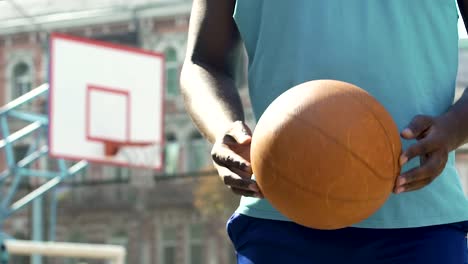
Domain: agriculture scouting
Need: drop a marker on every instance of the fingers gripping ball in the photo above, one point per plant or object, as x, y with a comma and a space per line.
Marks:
325, 154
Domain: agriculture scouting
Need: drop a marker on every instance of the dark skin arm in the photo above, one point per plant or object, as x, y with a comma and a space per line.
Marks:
460, 109
437, 136
210, 96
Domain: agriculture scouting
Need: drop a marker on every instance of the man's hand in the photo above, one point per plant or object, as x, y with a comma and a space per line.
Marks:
434, 135
231, 156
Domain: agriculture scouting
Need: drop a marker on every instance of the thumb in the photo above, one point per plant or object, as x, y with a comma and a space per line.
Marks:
417, 127
240, 133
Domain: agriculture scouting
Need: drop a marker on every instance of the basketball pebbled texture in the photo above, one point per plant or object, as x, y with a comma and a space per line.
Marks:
325, 154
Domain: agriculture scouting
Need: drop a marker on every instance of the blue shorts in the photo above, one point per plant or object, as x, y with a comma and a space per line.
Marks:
263, 241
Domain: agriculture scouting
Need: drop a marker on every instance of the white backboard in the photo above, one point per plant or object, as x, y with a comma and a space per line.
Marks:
105, 96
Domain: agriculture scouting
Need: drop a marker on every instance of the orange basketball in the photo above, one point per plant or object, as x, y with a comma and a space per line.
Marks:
325, 154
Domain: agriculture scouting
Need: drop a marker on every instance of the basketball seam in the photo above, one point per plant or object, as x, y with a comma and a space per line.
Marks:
344, 147
381, 125
318, 194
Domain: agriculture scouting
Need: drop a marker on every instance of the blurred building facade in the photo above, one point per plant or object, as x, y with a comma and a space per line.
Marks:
157, 220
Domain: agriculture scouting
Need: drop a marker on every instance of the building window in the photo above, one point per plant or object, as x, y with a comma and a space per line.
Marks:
172, 72
196, 248
168, 245
171, 155
198, 152
22, 80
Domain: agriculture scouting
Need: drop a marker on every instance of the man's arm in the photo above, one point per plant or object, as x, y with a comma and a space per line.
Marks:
437, 136
463, 7
210, 95
458, 114
460, 109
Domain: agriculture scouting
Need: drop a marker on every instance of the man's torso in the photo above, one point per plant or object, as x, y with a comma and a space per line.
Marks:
403, 52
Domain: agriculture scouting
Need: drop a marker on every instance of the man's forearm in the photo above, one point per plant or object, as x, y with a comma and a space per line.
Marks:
458, 114
211, 99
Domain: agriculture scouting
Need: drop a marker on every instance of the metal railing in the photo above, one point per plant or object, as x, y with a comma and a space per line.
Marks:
35, 132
